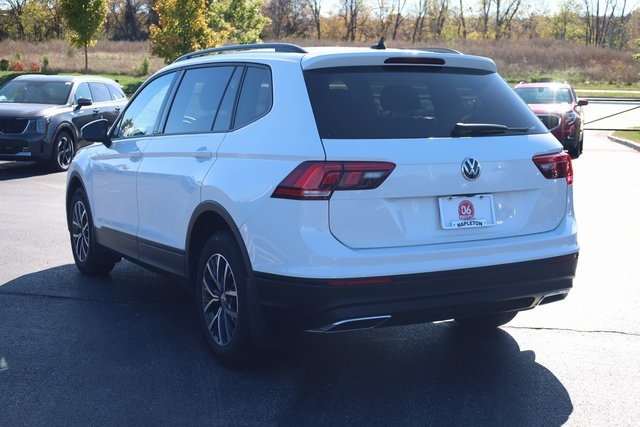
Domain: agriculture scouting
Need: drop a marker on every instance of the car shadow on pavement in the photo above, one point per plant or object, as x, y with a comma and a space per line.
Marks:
126, 349
430, 374
17, 170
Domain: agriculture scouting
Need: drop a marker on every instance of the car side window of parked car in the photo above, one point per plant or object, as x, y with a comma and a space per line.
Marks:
255, 96
82, 91
59, 92
116, 92
99, 92
141, 117
198, 99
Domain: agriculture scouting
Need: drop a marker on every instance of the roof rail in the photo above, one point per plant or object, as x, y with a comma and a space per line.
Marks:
437, 49
278, 47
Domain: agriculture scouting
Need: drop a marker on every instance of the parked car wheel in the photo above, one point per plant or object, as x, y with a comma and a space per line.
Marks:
576, 150
581, 144
489, 321
90, 258
221, 299
63, 151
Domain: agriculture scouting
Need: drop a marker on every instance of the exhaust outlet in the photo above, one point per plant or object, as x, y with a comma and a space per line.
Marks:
357, 324
553, 297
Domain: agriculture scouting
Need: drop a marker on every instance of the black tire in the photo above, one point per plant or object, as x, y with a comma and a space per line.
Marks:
489, 321
90, 258
64, 148
575, 151
581, 144
221, 296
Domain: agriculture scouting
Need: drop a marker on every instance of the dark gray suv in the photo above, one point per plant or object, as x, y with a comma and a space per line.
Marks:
41, 116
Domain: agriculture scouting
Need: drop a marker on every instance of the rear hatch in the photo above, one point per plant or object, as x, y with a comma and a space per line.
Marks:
461, 141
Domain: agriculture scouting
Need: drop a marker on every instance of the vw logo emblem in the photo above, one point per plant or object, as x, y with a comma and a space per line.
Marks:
470, 169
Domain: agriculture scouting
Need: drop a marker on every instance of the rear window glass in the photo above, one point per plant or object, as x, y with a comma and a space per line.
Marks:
412, 102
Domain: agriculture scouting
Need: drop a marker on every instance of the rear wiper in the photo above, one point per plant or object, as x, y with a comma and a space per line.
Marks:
481, 129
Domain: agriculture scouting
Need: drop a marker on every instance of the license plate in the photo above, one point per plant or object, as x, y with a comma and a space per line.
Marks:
467, 211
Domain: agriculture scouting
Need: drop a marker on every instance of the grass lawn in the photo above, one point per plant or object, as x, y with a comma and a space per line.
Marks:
608, 93
629, 135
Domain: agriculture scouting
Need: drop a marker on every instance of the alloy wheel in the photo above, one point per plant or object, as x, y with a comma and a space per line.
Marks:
80, 231
220, 300
64, 151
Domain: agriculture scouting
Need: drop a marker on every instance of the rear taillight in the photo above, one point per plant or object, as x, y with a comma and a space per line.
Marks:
318, 180
554, 166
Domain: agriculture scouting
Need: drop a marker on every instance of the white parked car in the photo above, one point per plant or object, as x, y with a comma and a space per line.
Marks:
329, 189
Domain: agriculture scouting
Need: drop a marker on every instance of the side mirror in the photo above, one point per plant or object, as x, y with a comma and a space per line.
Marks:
83, 102
583, 102
97, 131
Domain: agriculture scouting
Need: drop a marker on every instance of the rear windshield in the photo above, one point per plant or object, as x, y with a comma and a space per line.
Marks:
413, 102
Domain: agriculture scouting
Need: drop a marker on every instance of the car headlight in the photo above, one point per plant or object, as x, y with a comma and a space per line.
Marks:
38, 125
570, 118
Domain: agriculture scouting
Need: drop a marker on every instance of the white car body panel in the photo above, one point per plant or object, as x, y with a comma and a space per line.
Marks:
403, 211
249, 167
170, 176
325, 58
113, 176
312, 252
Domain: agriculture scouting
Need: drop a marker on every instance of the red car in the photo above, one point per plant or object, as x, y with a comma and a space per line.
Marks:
559, 109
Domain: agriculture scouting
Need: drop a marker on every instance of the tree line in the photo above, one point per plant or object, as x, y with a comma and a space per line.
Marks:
602, 23
177, 26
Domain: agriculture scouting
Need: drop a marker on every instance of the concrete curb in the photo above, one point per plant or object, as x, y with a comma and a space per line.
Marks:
626, 142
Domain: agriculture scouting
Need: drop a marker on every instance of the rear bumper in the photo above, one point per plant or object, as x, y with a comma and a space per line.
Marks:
293, 304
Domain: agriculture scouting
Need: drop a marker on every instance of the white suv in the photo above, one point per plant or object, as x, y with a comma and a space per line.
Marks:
329, 189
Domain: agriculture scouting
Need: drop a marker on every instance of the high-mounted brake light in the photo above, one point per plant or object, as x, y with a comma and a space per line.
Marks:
318, 180
414, 60
554, 166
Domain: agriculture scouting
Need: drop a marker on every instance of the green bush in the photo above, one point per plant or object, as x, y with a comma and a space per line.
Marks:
45, 63
4, 64
143, 69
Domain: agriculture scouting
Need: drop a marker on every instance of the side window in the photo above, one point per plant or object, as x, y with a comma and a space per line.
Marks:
82, 91
142, 113
255, 96
116, 92
225, 113
99, 92
198, 99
